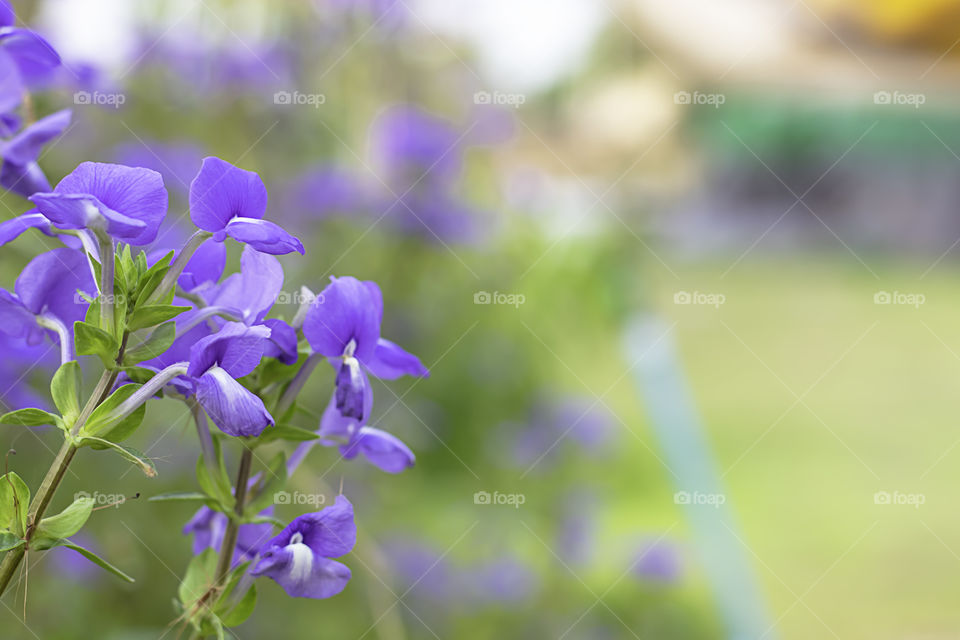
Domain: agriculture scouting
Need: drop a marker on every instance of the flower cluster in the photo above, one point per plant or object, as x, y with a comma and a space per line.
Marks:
165, 322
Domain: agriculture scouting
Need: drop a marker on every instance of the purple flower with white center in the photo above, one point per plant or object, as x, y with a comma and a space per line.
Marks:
208, 526
384, 450
228, 201
215, 363
45, 298
127, 203
344, 323
20, 172
299, 559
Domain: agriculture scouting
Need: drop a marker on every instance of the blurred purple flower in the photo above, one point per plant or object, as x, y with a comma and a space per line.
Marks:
208, 526
20, 172
322, 192
658, 560
177, 162
26, 60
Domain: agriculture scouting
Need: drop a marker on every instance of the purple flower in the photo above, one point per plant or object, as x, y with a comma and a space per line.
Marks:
20, 172
299, 559
127, 203
228, 201
658, 560
411, 146
208, 526
383, 450
46, 292
215, 363
322, 192
344, 323
26, 60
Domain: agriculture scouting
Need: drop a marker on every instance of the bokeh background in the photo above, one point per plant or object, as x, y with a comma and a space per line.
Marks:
684, 274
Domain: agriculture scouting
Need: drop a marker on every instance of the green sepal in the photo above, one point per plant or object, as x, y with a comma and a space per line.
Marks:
137, 458
65, 389
14, 502
152, 278
90, 340
153, 314
101, 423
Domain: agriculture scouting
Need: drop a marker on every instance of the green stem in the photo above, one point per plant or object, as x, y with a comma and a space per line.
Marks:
176, 269
233, 524
56, 472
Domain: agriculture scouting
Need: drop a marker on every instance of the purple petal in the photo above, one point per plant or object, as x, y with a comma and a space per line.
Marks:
49, 283
131, 192
346, 310
263, 236
283, 342
236, 348
11, 229
352, 388
253, 291
20, 172
330, 532
34, 57
234, 409
15, 320
390, 362
384, 450
222, 191
80, 211
7, 17
11, 86
205, 266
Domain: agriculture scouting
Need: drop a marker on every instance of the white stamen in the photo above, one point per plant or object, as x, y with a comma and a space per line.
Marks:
350, 348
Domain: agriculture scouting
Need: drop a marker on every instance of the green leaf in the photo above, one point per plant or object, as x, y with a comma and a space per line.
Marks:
159, 341
154, 314
270, 482
106, 425
216, 483
200, 575
139, 374
66, 523
177, 496
90, 340
14, 502
9, 542
238, 614
285, 432
150, 280
95, 559
29, 418
130, 454
65, 388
